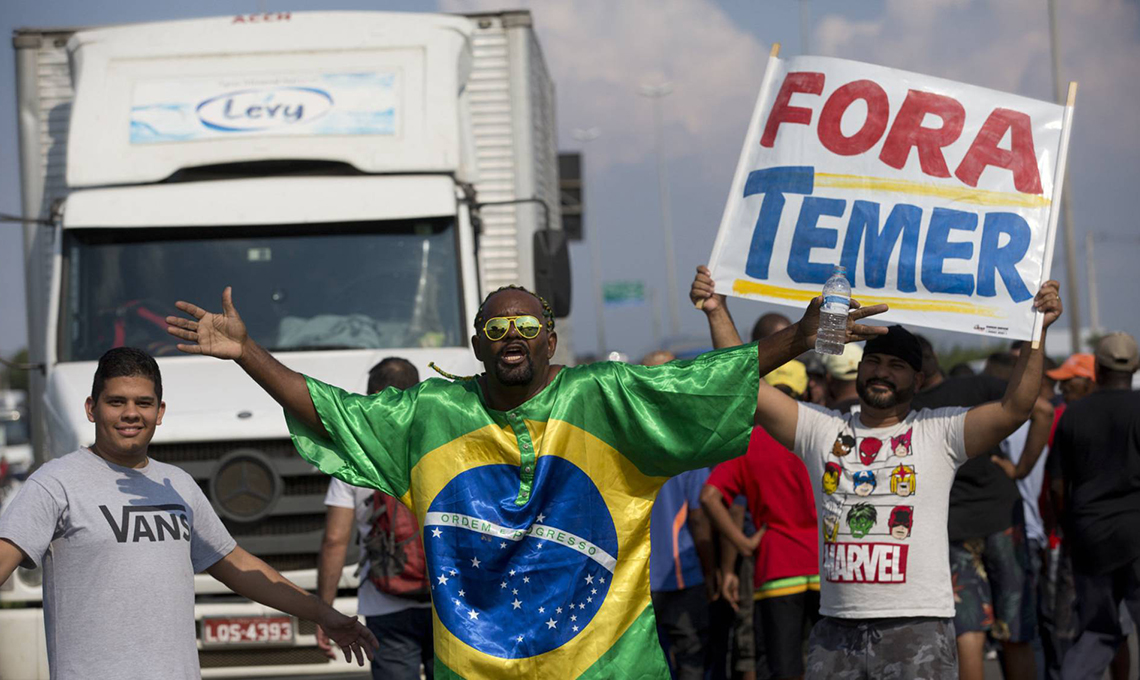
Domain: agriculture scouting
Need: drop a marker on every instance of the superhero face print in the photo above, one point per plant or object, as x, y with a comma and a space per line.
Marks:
903, 480
831, 478
861, 519
864, 482
869, 450
900, 522
843, 445
830, 527
900, 445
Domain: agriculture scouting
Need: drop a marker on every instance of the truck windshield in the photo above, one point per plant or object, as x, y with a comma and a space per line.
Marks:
13, 430
376, 285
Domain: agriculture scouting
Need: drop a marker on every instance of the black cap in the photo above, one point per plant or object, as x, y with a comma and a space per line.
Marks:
898, 342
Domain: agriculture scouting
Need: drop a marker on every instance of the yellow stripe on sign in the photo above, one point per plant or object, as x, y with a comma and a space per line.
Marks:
743, 287
957, 194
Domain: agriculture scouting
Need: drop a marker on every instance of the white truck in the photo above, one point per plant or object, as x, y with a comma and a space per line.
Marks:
361, 179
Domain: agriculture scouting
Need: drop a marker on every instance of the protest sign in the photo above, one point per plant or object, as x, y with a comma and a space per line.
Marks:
939, 198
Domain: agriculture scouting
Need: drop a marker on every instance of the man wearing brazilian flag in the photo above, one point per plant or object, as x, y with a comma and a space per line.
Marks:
533, 483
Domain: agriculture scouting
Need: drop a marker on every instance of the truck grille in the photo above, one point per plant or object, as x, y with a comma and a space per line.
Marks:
281, 656
288, 536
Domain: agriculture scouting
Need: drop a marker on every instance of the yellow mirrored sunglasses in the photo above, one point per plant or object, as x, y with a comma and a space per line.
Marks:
497, 327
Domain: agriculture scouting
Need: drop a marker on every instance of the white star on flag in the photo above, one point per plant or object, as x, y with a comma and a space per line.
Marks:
512, 572
541, 517
473, 615
442, 580
453, 572
575, 629
593, 591
516, 604
551, 624
502, 545
436, 533
601, 579
589, 599
519, 638
573, 617
514, 591
542, 610
475, 562
589, 579
558, 610
526, 579
462, 594
503, 585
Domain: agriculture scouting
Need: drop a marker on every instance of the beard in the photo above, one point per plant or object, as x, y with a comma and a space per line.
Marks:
893, 397
514, 375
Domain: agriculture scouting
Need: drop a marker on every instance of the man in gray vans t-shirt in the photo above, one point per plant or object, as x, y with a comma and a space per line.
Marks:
119, 549
120, 538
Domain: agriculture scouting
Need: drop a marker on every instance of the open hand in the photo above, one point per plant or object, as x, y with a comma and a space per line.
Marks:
856, 332
1048, 302
353, 637
216, 335
702, 293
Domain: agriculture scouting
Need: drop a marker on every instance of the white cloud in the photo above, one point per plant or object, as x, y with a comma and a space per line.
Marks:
600, 52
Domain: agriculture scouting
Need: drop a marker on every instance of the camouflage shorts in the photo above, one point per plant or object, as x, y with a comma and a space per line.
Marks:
993, 590
882, 649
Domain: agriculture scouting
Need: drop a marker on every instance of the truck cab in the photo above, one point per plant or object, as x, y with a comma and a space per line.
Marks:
361, 180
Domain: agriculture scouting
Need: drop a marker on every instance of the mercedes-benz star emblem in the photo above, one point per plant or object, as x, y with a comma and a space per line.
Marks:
245, 486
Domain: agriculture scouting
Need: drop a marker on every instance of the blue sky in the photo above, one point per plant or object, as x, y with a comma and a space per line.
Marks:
713, 52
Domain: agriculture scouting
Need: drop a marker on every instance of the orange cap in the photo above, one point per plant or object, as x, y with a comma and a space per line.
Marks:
1076, 366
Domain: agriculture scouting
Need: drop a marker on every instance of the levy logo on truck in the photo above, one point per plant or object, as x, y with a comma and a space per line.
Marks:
264, 108
224, 107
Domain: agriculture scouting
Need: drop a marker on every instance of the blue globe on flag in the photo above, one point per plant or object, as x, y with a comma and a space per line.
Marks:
515, 581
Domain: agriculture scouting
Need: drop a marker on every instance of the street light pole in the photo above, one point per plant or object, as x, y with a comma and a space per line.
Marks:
1090, 261
594, 239
1072, 290
657, 93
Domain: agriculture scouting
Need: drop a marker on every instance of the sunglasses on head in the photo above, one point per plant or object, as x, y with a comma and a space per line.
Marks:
497, 327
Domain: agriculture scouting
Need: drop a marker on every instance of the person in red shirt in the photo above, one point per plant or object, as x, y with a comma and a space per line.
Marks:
785, 547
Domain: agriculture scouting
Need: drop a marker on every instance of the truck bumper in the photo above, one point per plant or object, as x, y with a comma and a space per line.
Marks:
23, 651
300, 659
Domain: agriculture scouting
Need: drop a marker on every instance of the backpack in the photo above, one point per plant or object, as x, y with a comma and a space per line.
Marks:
394, 552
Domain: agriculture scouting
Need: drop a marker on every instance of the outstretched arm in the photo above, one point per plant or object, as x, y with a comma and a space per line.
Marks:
704, 297
988, 424
224, 336
247, 575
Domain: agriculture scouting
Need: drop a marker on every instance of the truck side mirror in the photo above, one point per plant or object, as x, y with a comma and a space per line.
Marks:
552, 269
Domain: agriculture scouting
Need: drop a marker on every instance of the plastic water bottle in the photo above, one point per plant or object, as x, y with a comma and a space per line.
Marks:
833, 313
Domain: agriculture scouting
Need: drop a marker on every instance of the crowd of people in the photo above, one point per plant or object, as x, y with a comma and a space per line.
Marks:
756, 512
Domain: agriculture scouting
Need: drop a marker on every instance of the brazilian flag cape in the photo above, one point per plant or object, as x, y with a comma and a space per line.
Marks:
535, 521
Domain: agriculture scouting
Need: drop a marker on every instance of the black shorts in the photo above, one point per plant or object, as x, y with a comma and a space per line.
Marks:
785, 623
